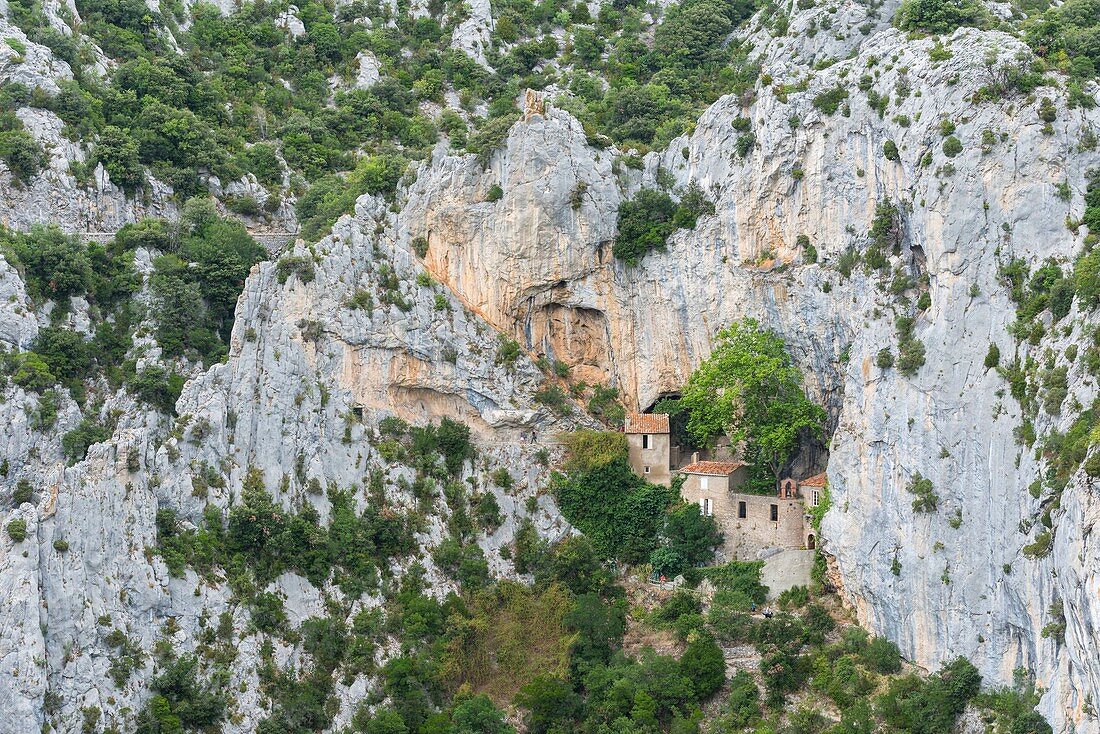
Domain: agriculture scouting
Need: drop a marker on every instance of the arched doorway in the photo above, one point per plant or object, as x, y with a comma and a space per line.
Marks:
811, 542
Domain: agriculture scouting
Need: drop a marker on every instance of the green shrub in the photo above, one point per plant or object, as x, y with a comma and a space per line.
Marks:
55, 264
704, 665
181, 700
22, 154
881, 656
910, 348
809, 252
1040, 547
618, 511
645, 224
1086, 278
927, 499
829, 101
587, 450
17, 530
23, 492
495, 193
939, 16
554, 398
692, 536
952, 147
508, 351
297, 265
490, 136
993, 356
77, 441
890, 151
157, 387
32, 372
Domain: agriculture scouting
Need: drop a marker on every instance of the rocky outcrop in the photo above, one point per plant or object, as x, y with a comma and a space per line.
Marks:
537, 263
307, 380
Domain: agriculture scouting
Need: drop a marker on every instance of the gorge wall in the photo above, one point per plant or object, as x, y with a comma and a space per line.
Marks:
537, 264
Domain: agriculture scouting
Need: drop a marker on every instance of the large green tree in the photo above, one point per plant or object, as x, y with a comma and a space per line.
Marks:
750, 389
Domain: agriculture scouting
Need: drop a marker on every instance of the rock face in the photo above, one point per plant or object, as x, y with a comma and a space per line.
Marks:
537, 264
304, 366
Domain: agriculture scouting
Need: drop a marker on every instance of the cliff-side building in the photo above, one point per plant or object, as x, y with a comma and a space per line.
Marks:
649, 445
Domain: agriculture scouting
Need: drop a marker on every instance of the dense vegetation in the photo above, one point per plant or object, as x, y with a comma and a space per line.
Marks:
554, 650
649, 219
200, 264
243, 95
749, 390
625, 517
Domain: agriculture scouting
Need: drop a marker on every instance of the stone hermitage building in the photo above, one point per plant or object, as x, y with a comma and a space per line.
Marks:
751, 523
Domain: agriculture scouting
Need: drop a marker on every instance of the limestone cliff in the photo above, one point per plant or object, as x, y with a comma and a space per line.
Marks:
537, 264
304, 366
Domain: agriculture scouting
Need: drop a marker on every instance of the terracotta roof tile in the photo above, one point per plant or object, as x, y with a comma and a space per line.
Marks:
646, 423
717, 468
818, 480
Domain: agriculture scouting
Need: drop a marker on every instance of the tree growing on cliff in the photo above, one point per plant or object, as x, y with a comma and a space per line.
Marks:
750, 390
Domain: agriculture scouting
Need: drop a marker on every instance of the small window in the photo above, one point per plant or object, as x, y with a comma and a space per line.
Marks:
815, 498
703, 483
775, 513
647, 470
742, 510
645, 440
705, 507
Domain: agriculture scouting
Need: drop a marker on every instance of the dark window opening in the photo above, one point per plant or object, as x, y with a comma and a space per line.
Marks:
775, 513
645, 440
742, 510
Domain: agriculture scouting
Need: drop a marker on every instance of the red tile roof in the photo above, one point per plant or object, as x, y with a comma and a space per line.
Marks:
646, 423
714, 468
818, 480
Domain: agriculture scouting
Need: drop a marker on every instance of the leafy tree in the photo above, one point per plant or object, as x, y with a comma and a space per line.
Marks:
587, 449
599, 629
478, 715
882, 656
692, 535
576, 565
645, 223
939, 16
453, 439
550, 703
384, 721
22, 154
704, 665
1086, 279
618, 511
158, 387
666, 561
182, 701
32, 372
56, 264
750, 389
65, 351
117, 150
77, 441
742, 709
693, 31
